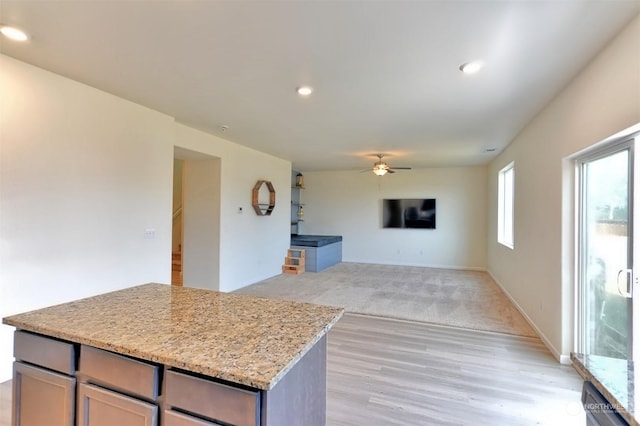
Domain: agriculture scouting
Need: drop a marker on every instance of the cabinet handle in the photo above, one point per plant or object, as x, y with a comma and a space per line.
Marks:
627, 292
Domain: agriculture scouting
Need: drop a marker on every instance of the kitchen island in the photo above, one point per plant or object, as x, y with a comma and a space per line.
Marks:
608, 394
165, 355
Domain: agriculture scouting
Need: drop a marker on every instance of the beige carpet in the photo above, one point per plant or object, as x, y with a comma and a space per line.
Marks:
468, 299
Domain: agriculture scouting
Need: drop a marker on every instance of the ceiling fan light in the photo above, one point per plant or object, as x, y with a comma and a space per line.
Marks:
380, 170
304, 91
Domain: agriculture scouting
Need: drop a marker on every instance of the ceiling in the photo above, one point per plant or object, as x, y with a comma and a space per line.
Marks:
385, 74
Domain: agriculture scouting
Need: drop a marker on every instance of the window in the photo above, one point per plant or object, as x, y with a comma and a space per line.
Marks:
505, 205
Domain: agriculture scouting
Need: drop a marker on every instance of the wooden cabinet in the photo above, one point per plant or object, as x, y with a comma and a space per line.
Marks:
42, 397
108, 389
120, 373
212, 400
116, 390
598, 410
102, 407
50, 353
44, 389
174, 418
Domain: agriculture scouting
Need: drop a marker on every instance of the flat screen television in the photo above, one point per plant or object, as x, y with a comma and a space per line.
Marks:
417, 213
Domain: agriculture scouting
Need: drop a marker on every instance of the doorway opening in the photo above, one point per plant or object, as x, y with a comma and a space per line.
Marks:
176, 226
196, 220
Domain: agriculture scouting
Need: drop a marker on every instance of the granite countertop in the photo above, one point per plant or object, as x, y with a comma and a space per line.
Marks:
243, 339
614, 378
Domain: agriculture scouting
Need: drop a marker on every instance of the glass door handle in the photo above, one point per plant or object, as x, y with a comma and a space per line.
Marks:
628, 290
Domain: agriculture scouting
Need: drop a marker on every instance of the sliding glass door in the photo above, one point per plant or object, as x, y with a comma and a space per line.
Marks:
606, 299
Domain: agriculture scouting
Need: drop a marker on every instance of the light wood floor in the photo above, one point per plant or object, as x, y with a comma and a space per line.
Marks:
390, 372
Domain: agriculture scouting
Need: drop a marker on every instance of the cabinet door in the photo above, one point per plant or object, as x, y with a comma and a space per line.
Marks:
173, 418
599, 411
102, 407
42, 397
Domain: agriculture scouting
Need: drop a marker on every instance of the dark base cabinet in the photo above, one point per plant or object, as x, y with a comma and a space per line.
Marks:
599, 411
108, 389
299, 398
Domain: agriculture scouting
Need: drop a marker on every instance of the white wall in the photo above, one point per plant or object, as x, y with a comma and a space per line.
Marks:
254, 246
538, 274
350, 204
201, 220
84, 173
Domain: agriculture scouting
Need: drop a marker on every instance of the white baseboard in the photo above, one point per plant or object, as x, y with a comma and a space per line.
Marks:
565, 359
562, 358
419, 265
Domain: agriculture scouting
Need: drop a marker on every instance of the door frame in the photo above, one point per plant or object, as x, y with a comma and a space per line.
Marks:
628, 138
201, 195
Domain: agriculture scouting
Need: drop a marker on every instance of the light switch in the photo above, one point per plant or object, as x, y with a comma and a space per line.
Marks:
149, 233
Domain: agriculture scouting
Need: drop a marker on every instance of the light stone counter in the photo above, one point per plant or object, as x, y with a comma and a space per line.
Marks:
614, 379
242, 339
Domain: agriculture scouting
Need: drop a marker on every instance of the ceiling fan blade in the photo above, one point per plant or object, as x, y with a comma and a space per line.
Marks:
390, 170
400, 168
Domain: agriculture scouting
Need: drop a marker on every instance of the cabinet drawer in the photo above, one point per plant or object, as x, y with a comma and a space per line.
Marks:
44, 351
102, 407
214, 400
119, 372
173, 418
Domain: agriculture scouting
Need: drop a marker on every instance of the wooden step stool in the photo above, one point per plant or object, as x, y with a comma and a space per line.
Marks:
294, 262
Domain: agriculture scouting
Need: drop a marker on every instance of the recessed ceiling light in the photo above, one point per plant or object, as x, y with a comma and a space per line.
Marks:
305, 90
14, 33
471, 67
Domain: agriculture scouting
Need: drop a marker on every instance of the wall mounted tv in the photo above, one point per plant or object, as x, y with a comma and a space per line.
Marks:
409, 213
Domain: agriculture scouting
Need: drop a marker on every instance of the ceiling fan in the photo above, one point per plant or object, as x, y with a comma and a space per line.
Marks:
381, 168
